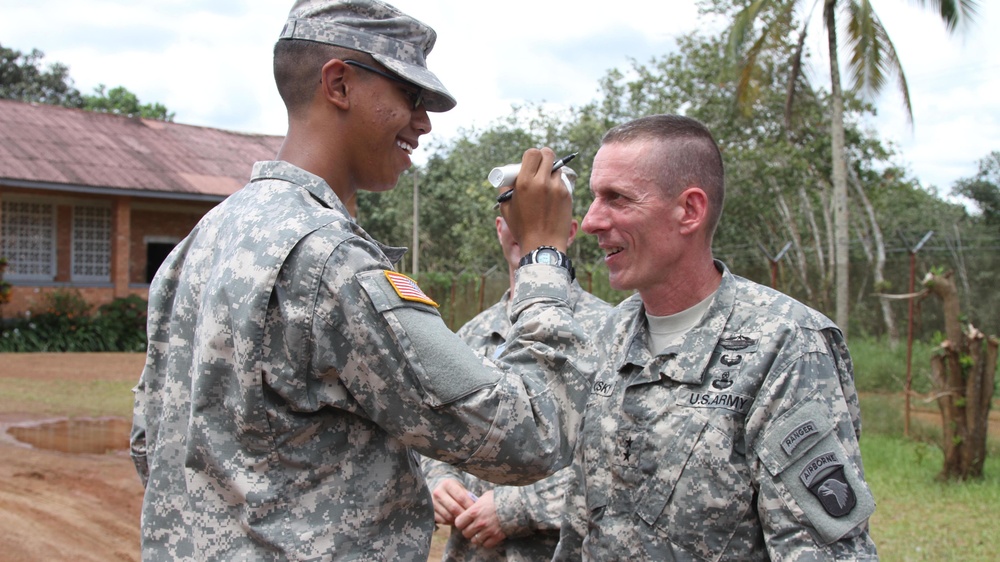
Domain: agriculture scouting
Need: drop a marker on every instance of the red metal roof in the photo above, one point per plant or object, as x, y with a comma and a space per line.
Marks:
49, 146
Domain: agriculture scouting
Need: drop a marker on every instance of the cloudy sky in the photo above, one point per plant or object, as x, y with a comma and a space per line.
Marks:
209, 61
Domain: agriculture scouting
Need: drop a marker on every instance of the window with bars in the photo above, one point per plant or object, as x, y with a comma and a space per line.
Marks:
28, 240
91, 244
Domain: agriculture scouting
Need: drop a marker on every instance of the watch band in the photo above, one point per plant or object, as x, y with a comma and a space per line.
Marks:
561, 259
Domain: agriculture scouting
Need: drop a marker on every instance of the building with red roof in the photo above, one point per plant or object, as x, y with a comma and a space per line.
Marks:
94, 202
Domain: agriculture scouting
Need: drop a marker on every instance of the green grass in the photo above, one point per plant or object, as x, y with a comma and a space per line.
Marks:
66, 397
919, 518
879, 367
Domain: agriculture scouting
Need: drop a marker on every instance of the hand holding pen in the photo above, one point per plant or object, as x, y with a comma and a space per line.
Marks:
541, 214
505, 196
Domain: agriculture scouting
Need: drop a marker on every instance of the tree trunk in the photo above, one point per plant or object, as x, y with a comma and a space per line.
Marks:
879, 249
963, 372
840, 216
793, 231
801, 255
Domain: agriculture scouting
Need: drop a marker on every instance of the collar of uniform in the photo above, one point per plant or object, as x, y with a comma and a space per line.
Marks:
321, 191
315, 185
686, 360
392, 253
504, 304
636, 343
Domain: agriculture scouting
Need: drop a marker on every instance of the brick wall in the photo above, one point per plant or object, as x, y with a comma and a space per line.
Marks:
144, 220
158, 224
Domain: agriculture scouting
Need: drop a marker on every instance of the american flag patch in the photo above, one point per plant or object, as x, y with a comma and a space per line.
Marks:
407, 288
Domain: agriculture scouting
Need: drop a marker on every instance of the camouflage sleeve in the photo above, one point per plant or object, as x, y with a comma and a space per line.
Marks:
416, 380
813, 500
524, 510
573, 526
137, 436
436, 472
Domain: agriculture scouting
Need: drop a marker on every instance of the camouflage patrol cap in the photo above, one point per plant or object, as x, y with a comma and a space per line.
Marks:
396, 40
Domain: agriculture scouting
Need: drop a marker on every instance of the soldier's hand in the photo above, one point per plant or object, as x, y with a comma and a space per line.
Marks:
539, 213
450, 499
480, 523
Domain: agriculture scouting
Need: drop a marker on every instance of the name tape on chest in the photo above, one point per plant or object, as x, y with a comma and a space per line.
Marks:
407, 288
724, 400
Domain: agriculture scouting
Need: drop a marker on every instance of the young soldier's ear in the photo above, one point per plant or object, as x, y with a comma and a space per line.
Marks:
335, 84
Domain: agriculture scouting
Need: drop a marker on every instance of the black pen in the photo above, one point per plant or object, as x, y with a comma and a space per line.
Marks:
506, 195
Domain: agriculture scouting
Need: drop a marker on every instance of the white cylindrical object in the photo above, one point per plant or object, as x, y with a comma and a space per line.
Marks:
504, 176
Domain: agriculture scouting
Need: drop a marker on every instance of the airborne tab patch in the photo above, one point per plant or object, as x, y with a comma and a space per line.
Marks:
407, 288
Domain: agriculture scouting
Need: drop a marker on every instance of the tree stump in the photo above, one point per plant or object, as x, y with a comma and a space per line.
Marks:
963, 370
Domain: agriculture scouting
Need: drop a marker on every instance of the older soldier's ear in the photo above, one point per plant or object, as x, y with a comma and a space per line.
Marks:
694, 202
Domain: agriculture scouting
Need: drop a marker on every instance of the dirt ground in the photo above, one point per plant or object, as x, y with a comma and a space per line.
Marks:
57, 506
67, 506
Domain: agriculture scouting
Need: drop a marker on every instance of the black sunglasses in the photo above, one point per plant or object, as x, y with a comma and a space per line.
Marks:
416, 97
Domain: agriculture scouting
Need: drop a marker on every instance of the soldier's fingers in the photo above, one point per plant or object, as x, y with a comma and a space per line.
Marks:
493, 540
441, 515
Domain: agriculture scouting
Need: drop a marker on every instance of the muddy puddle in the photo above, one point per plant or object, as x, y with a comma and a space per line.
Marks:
91, 436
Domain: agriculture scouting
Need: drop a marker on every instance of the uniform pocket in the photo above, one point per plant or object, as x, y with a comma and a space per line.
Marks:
814, 471
697, 493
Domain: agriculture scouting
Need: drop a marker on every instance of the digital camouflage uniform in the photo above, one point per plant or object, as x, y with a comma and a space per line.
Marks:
737, 442
529, 515
288, 386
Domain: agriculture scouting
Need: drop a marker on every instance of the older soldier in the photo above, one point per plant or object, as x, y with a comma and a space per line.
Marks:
504, 522
723, 422
292, 375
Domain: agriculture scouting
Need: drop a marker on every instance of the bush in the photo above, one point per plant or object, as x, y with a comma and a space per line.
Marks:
122, 324
66, 324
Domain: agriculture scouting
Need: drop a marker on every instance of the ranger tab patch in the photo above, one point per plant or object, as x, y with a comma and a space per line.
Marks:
407, 288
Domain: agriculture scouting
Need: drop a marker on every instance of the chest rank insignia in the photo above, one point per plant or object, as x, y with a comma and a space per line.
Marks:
407, 288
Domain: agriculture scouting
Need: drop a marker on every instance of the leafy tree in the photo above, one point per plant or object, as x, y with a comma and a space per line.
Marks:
120, 101
23, 78
872, 58
984, 188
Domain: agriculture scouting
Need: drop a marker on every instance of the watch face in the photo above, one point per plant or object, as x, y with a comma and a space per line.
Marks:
547, 257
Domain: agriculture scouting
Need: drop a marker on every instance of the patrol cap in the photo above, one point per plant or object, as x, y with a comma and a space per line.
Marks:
396, 40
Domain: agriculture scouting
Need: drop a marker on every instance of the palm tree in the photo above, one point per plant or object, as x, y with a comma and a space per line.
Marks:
872, 59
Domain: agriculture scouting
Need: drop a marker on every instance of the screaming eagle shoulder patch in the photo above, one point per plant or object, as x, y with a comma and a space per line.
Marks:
824, 477
407, 288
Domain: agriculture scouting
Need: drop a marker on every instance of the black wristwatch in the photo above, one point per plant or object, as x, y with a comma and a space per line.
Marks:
549, 256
